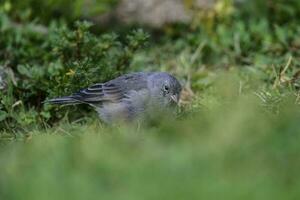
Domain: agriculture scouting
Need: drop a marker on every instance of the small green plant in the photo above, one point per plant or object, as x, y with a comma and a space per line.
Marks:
47, 11
57, 62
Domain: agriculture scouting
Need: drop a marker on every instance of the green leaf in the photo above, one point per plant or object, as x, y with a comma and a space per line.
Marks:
3, 115
22, 69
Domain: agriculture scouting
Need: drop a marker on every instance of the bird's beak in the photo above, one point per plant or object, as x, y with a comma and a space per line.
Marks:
175, 98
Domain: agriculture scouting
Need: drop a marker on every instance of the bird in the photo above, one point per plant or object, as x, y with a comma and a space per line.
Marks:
132, 96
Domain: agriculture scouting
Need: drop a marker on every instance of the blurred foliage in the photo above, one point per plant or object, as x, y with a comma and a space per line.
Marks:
228, 152
275, 11
46, 11
230, 36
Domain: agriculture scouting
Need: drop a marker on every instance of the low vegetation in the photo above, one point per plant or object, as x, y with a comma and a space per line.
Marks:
236, 136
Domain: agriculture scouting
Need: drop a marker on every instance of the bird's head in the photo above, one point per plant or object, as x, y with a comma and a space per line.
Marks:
165, 89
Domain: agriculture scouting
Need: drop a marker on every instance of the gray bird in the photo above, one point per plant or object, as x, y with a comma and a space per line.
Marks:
128, 97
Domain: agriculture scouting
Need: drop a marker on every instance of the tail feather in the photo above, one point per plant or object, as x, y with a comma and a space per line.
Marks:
63, 100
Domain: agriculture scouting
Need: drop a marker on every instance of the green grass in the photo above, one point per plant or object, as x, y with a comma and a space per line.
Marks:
236, 149
237, 135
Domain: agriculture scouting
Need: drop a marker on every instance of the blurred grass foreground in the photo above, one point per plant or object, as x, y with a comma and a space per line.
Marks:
237, 135
235, 152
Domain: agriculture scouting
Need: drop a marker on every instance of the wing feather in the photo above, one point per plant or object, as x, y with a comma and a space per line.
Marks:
112, 91
100, 92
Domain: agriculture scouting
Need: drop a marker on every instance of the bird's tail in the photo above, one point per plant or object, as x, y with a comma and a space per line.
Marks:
63, 100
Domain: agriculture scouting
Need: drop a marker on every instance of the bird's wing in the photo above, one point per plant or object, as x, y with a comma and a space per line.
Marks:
112, 91
98, 93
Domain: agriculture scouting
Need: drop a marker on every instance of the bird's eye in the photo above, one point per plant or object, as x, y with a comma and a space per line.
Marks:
166, 88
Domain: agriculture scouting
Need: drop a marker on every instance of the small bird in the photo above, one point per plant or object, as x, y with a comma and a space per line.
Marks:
128, 97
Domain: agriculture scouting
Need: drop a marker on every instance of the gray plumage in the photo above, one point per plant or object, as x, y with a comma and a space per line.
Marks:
129, 96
